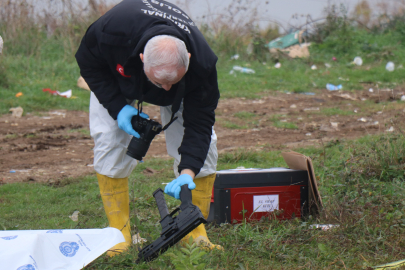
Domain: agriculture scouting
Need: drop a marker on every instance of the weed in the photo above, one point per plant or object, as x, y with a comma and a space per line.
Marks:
188, 257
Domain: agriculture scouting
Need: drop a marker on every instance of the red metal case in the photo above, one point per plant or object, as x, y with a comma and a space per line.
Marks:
255, 193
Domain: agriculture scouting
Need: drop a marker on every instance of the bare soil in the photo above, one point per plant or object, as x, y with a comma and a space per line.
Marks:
54, 145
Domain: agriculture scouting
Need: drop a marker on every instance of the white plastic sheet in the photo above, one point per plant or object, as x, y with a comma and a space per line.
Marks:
55, 249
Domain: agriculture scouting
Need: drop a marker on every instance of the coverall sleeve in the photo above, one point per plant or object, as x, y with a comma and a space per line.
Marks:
199, 118
97, 74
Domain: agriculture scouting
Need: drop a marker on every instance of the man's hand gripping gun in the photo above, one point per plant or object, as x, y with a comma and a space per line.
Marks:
173, 228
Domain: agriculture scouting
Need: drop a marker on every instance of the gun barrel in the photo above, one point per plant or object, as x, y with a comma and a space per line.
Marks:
161, 203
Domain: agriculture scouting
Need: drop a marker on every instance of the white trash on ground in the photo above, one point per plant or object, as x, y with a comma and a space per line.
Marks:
16, 112
390, 66
358, 61
55, 249
243, 70
332, 87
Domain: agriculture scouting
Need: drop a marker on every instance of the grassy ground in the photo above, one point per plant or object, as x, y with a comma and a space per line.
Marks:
361, 183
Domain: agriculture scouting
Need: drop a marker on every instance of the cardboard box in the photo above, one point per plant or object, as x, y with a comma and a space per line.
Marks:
252, 194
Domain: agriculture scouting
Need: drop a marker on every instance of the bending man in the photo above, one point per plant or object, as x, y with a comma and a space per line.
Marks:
147, 50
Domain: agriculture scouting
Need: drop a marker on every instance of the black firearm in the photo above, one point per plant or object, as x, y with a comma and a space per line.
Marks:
173, 228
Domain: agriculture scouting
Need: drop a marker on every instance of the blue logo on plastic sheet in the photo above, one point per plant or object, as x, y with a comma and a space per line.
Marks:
26, 267
55, 231
69, 249
9, 237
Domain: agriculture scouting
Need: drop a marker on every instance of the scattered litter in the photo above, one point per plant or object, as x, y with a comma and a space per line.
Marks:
46, 117
308, 134
363, 99
334, 58
75, 216
373, 124
82, 84
334, 124
243, 70
155, 117
16, 112
1, 44
137, 239
235, 57
314, 67
390, 66
328, 65
12, 171
332, 87
323, 227
400, 66
362, 120
90, 165
311, 109
344, 79
58, 113
293, 106
309, 93
66, 94
278, 65
403, 98
358, 61
371, 90
356, 111
380, 112
391, 129
19, 94
299, 118
346, 96
260, 101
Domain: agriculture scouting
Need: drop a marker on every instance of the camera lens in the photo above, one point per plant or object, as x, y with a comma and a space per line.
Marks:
137, 148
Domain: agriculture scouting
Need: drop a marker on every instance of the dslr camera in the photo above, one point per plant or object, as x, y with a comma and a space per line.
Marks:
147, 130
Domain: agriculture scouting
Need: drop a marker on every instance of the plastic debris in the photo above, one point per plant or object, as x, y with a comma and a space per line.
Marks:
19, 94
332, 87
1, 44
16, 112
356, 111
309, 94
55, 249
66, 94
390, 66
358, 61
12, 171
371, 90
75, 216
314, 67
278, 65
362, 120
344, 79
323, 227
403, 98
311, 109
293, 106
334, 124
391, 129
243, 70
308, 134
334, 58
137, 239
328, 65
235, 57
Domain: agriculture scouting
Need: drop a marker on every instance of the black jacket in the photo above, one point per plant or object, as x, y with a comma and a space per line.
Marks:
109, 61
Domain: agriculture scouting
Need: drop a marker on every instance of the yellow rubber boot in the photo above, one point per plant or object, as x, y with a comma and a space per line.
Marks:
115, 195
202, 198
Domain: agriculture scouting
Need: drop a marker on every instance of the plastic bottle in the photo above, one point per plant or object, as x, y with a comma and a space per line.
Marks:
332, 87
390, 66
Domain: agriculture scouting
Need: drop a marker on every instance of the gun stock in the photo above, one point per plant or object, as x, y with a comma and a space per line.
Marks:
173, 228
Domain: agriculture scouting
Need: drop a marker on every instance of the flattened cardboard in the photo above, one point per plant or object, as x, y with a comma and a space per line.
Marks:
299, 161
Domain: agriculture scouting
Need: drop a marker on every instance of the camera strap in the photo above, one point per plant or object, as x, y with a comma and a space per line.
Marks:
176, 103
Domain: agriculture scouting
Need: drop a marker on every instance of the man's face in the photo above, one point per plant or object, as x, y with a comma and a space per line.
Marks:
165, 84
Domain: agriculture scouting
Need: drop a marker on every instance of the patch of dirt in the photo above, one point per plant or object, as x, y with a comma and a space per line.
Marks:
55, 145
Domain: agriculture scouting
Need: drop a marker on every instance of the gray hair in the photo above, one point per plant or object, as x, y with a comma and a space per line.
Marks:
165, 55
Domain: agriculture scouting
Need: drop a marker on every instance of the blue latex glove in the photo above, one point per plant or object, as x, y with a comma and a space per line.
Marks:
124, 119
174, 187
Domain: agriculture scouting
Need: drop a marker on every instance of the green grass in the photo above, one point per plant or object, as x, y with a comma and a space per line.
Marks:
361, 183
